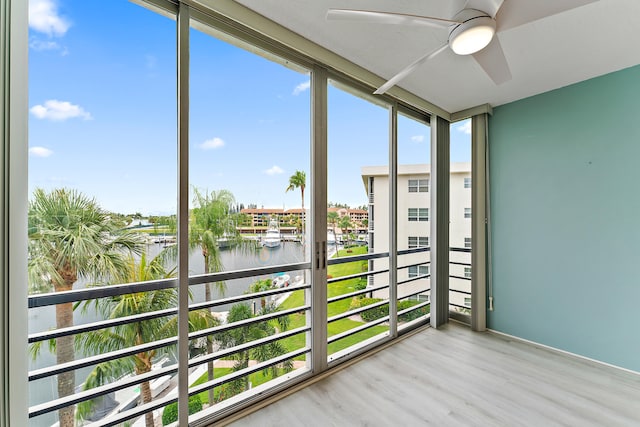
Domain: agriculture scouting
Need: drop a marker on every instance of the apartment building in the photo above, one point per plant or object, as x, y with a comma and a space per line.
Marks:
414, 229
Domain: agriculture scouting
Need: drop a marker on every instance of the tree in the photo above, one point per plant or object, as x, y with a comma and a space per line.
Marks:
211, 219
261, 286
252, 332
135, 333
298, 180
332, 218
345, 224
71, 237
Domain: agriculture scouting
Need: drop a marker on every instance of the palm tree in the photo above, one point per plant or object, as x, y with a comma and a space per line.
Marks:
71, 237
332, 218
136, 333
299, 180
345, 224
211, 220
252, 332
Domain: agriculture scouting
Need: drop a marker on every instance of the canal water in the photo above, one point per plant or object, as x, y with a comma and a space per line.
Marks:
43, 319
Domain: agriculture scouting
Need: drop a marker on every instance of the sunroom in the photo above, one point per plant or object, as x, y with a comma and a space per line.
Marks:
263, 211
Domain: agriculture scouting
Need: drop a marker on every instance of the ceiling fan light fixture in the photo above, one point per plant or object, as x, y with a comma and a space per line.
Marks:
473, 35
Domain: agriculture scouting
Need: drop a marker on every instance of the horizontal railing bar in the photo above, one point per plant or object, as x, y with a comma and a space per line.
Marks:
103, 324
460, 306
356, 311
246, 371
55, 298
246, 297
354, 258
250, 321
460, 292
467, 250
414, 251
199, 360
414, 307
81, 396
459, 277
223, 276
42, 336
94, 360
402, 267
134, 412
356, 293
414, 293
466, 264
357, 329
356, 275
413, 279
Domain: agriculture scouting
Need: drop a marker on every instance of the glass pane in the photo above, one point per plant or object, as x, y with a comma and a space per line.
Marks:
249, 171
414, 200
358, 188
102, 184
460, 218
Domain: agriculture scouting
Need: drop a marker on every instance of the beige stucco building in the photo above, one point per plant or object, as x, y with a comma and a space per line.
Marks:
413, 231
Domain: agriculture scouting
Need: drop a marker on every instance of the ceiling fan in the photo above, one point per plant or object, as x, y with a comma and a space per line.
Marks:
472, 30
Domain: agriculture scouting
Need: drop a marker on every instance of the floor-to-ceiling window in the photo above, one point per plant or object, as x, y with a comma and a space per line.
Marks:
460, 215
413, 218
117, 259
102, 207
249, 175
357, 290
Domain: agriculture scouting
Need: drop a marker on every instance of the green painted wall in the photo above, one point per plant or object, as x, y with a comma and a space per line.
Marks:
565, 205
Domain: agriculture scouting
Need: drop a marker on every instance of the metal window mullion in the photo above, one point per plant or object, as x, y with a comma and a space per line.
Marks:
478, 223
393, 223
440, 166
317, 340
182, 35
13, 213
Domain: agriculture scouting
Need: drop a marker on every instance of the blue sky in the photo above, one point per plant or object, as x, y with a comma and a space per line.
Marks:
102, 118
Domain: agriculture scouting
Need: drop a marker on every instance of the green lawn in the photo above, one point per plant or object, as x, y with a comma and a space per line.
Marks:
256, 379
296, 299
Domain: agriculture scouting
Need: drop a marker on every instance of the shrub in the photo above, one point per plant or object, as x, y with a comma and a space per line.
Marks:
372, 314
383, 310
412, 315
170, 413
360, 284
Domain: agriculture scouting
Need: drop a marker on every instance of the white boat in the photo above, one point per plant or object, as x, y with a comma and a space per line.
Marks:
281, 281
272, 237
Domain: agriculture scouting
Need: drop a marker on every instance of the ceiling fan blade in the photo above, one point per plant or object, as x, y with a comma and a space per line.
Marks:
493, 62
404, 73
489, 6
519, 12
373, 16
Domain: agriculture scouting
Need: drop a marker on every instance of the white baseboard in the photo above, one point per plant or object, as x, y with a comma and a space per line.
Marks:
565, 352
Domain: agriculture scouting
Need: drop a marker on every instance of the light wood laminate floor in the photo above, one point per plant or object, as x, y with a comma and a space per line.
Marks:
455, 377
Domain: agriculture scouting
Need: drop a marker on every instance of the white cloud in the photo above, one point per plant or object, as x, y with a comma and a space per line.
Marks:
275, 170
302, 87
59, 110
37, 44
417, 138
40, 152
44, 18
212, 144
465, 127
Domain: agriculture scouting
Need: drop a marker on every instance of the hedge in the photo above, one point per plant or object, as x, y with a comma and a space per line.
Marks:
170, 413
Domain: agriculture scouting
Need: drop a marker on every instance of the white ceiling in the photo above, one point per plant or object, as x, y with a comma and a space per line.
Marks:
546, 54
